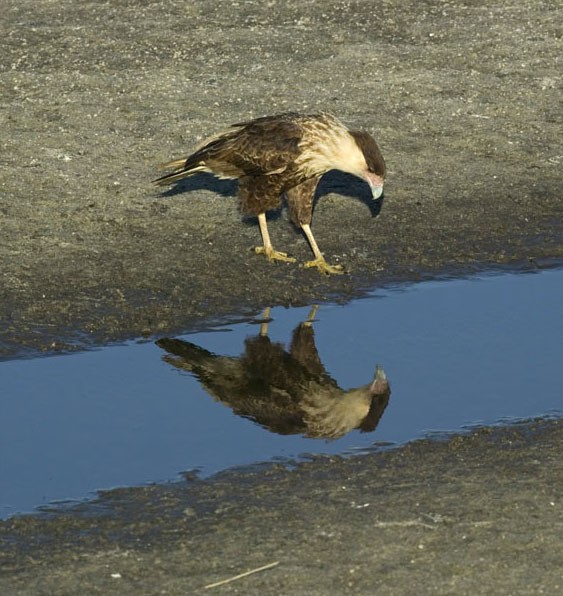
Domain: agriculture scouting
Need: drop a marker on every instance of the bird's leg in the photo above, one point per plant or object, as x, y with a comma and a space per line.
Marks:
264, 323
319, 261
311, 316
268, 249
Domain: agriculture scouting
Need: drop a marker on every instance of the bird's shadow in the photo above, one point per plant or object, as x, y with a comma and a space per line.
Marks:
202, 181
332, 182
349, 186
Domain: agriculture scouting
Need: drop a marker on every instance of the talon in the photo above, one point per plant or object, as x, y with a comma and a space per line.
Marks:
274, 255
324, 267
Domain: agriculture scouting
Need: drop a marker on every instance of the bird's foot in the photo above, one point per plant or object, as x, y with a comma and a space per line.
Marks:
274, 255
324, 267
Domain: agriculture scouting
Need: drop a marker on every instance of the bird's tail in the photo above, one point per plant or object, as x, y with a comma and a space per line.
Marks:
207, 150
181, 168
187, 355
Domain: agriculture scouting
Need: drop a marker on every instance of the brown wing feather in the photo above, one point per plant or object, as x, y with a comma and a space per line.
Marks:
261, 147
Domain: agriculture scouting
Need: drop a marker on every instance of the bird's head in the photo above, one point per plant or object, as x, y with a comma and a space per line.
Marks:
372, 167
330, 413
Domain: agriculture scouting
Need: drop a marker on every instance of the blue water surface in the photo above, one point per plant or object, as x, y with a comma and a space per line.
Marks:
457, 353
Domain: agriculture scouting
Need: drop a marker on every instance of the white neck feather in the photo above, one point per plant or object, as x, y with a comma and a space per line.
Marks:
334, 149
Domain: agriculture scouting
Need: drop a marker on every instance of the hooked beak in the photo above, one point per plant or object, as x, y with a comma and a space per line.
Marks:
380, 384
375, 183
376, 191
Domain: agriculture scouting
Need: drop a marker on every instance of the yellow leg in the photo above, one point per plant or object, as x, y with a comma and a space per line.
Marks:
268, 249
311, 316
265, 320
319, 261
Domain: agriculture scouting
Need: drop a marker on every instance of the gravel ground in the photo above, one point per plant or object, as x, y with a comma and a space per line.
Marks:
464, 99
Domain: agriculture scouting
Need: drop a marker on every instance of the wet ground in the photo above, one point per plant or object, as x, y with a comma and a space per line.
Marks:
465, 101
480, 513
478, 508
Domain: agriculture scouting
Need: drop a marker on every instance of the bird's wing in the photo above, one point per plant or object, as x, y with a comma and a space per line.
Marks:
258, 148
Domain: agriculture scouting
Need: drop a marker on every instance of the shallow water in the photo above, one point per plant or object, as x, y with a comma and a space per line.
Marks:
456, 353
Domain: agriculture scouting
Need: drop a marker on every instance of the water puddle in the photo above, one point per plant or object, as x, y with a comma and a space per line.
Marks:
293, 382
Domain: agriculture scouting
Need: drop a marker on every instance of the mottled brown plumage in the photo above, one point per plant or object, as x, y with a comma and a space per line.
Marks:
284, 154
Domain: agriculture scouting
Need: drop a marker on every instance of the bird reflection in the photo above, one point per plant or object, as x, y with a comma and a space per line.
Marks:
285, 391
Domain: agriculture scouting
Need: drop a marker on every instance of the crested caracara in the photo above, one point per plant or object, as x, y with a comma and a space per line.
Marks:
284, 154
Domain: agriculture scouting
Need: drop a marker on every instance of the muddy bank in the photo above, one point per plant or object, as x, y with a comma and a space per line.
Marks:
464, 99
479, 513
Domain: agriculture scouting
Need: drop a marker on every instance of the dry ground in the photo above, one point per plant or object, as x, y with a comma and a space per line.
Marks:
464, 99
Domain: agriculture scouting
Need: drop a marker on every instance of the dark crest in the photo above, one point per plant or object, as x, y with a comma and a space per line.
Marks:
371, 151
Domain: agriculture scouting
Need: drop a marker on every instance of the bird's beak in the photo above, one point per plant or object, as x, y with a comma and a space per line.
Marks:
375, 183
376, 191
380, 384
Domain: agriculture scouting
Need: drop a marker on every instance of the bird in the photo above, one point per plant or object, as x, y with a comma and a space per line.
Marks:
286, 391
284, 154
